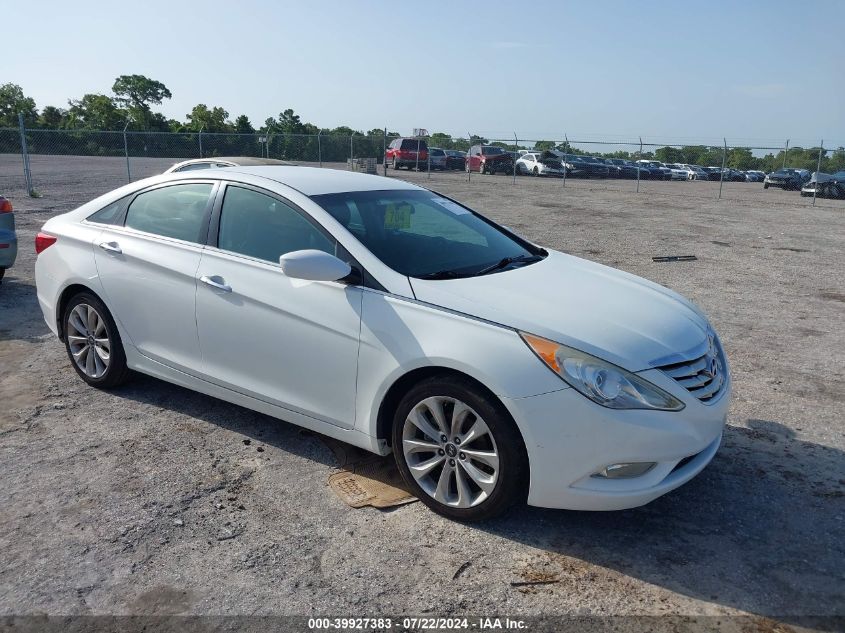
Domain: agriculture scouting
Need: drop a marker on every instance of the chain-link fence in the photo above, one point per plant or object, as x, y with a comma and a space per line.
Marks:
39, 161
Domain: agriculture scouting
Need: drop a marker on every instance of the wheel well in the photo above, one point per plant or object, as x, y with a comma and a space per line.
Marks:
399, 388
67, 294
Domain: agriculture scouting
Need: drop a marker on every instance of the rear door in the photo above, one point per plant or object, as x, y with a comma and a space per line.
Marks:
147, 264
289, 342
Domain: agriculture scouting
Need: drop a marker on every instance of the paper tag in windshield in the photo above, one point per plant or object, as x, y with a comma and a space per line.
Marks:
450, 206
397, 216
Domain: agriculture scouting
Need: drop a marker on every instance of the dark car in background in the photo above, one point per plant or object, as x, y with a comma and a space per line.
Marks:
437, 158
489, 159
455, 159
586, 166
8, 237
407, 152
787, 178
626, 169
824, 185
715, 173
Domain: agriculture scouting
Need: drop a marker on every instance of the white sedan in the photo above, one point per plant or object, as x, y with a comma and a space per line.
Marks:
398, 320
539, 164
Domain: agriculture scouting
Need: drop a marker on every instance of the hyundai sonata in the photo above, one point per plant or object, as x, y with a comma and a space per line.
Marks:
398, 320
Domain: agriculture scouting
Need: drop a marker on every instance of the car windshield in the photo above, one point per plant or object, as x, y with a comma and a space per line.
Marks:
492, 150
784, 172
421, 234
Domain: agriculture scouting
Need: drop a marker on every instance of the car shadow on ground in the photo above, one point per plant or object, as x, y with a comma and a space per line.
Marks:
758, 530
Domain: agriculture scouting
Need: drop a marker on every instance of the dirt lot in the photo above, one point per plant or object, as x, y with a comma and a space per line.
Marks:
150, 500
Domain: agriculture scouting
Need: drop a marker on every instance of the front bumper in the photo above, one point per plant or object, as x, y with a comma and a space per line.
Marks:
569, 438
8, 248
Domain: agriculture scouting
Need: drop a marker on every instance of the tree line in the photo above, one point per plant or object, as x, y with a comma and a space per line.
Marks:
284, 136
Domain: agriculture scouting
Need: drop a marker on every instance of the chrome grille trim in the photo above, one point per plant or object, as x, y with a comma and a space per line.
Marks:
704, 374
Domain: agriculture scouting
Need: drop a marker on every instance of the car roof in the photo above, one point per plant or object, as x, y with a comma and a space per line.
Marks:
314, 181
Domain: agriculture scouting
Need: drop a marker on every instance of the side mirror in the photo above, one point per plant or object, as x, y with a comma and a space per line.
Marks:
313, 265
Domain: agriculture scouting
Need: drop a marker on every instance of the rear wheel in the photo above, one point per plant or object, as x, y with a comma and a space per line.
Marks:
2, 274
93, 343
458, 450
536, 172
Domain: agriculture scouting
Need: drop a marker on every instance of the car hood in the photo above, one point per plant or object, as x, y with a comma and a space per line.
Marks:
614, 315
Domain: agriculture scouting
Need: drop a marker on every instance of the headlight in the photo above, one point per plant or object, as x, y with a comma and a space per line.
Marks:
602, 382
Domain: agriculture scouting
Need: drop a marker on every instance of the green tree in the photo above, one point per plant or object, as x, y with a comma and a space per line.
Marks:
95, 112
137, 93
243, 126
12, 101
52, 118
544, 145
741, 158
208, 120
669, 155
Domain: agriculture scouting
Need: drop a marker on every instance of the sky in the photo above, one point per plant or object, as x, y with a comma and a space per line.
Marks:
755, 72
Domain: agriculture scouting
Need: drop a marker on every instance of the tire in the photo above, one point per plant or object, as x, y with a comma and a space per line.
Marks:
536, 172
2, 274
107, 367
452, 486
765, 185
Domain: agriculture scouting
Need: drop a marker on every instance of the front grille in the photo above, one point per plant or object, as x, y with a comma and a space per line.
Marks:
704, 376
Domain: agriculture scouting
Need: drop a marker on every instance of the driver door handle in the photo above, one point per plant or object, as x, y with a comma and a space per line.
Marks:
217, 282
111, 247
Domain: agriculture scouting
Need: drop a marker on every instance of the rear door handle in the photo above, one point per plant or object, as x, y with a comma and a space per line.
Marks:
216, 281
111, 247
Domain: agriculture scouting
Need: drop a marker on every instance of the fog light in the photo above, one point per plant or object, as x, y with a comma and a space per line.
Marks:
625, 471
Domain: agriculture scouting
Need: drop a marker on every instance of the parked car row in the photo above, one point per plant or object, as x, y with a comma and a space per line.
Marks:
413, 153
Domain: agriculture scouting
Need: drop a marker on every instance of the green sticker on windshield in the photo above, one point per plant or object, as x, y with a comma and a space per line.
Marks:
397, 216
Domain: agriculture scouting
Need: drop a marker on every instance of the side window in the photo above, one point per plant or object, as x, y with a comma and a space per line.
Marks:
195, 167
109, 214
177, 211
257, 225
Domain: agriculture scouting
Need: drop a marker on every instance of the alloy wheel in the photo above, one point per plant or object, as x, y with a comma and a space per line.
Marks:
88, 340
450, 452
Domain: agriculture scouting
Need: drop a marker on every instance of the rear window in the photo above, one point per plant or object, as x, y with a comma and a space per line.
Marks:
412, 144
176, 211
437, 152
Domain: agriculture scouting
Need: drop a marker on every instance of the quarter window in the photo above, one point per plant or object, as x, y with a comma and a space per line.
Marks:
259, 226
178, 211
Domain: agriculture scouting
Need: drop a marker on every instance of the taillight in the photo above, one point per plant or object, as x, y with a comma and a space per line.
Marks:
5, 206
43, 241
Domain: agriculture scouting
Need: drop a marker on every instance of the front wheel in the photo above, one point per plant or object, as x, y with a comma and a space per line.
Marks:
93, 343
459, 450
765, 185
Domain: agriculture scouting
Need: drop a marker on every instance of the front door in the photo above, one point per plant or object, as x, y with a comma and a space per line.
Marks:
286, 341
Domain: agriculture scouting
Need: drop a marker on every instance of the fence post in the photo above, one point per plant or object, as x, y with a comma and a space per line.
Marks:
818, 169
418, 153
126, 151
27, 173
351, 151
468, 158
200, 138
565, 149
639, 164
785, 153
722, 173
384, 151
320, 147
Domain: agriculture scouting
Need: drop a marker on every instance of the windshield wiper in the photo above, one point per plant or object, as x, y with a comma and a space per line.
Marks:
441, 274
507, 261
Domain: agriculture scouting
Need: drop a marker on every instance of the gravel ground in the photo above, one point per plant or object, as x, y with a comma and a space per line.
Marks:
156, 500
